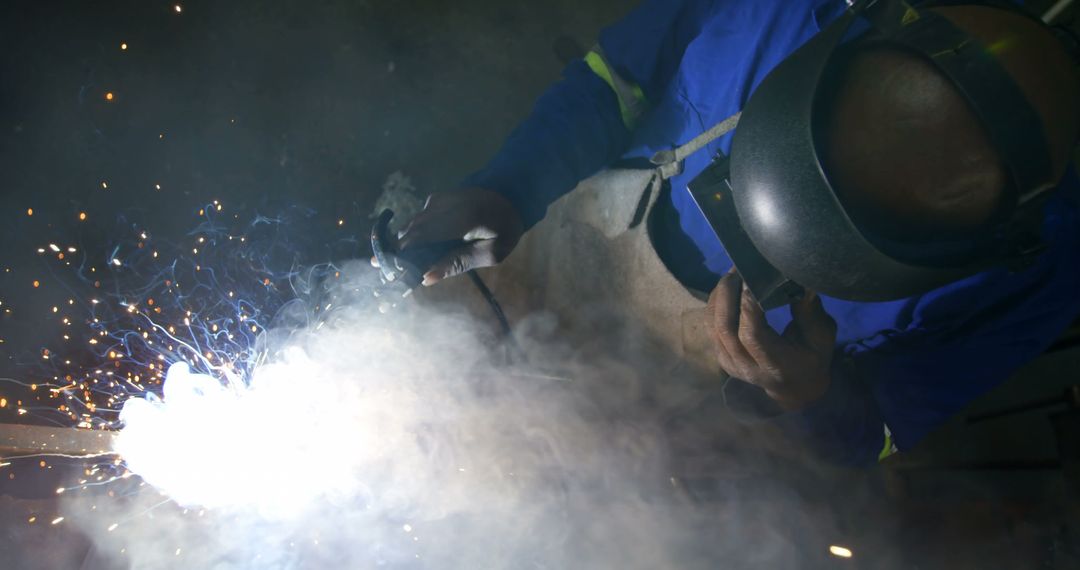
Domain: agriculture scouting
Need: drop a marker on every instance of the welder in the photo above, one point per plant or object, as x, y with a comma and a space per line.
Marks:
899, 176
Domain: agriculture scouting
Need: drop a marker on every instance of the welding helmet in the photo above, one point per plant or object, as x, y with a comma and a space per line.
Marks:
776, 212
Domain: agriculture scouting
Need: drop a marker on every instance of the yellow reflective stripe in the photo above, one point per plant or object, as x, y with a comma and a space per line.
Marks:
630, 110
888, 449
911, 15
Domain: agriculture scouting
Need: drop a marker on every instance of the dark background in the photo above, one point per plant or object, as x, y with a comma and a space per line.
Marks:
269, 104
263, 105
259, 104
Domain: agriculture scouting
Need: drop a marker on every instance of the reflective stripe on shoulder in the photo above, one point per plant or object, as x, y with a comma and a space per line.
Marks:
889, 448
631, 98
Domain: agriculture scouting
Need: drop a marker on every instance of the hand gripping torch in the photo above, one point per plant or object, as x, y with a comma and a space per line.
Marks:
402, 271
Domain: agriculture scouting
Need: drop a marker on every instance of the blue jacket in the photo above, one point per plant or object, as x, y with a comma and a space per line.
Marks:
921, 359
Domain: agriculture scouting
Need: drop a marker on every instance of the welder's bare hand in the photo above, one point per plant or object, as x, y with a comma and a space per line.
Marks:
484, 220
794, 368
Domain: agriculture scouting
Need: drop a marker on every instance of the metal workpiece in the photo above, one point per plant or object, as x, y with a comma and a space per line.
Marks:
23, 440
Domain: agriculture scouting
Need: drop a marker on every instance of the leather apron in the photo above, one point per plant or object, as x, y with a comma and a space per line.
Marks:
593, 254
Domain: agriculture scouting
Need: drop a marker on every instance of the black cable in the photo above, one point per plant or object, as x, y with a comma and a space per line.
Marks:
496, 308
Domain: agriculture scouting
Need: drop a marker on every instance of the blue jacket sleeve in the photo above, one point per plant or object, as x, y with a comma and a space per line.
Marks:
922, 378
956, 344
917, 380
576, 127
845, 426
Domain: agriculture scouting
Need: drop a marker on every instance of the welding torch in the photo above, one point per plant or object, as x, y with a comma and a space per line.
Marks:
402, 271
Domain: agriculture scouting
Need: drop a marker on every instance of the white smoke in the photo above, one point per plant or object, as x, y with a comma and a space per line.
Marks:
367, 440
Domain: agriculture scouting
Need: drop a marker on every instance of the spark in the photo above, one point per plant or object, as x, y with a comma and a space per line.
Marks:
57, 520
840, 551
123, 46
31, 520
109, 96
87, 397
178, 8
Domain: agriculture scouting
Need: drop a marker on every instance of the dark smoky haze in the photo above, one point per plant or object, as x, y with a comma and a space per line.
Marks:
124, 117
261, 105
361, 443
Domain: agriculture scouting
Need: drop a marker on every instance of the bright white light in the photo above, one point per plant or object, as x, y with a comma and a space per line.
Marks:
334, 417
265, 446
395, 435
840, 551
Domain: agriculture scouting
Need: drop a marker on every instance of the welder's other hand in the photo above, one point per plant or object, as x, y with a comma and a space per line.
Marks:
794, 368
484, 220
